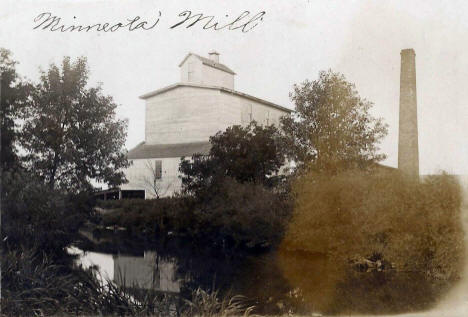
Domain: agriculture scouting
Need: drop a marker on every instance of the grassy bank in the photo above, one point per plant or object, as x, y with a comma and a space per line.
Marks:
35, 286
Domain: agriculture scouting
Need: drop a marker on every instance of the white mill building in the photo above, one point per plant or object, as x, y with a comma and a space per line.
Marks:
181, 117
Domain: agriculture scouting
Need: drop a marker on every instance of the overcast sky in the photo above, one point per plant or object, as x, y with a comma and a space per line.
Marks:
294, 41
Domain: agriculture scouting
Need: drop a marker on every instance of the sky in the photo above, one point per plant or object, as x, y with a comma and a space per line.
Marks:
294, 41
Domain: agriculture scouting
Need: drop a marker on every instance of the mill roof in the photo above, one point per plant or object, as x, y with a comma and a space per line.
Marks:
219, 88
146, 151
209, 62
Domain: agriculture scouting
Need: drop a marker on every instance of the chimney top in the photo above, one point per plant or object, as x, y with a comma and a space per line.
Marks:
407, 51
214, 56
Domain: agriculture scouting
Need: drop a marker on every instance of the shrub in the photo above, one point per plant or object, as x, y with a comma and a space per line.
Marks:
377, 223
234, 216
244, 215
153, 218
37, 217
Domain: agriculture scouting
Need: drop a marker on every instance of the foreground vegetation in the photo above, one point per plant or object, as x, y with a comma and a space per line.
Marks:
34, 286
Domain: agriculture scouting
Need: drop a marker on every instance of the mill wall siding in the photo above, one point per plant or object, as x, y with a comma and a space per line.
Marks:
138, 173
182, 115
190, 114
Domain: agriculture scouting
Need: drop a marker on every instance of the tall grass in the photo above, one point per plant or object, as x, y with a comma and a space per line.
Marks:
207, 304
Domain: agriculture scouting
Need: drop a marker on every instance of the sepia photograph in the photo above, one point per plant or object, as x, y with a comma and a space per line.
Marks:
234, 158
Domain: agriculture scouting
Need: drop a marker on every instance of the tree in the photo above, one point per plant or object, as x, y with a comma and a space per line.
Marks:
251, 154
332, 128
13, 93
70, 132
235, 188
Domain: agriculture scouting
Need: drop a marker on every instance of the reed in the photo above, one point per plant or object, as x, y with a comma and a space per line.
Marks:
208, 304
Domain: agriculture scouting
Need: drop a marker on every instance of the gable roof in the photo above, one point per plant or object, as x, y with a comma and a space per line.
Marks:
209, 62
221, 89
147, 151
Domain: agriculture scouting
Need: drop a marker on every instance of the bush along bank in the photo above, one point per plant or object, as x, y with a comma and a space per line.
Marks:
373, 243
242, 218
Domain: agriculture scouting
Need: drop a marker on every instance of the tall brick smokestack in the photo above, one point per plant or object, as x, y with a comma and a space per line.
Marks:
408, 154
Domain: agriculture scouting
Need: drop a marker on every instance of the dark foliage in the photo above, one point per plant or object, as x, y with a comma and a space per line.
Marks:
153, 219
244, 215
35, 217
13, 94
236, 217
251, 154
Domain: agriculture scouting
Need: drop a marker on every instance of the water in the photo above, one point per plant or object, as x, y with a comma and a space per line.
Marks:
147, 271
176, 269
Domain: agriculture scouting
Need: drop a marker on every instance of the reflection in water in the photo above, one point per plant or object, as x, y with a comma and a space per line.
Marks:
104, 262
147, 272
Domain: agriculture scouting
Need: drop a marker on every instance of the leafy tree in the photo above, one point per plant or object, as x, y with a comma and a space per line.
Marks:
250, 154
13, 93
70, 131
332, 128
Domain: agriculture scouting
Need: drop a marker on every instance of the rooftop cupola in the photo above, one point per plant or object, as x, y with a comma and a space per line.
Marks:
208, 71
214, 56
